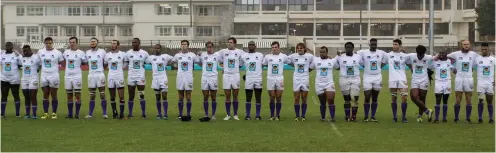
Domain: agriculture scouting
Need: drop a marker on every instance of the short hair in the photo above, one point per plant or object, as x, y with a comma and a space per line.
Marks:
118, 43
158, 45
301, 45
139, 41
48, 39
421, 48
94, 39
485, 44
275, 43
187, 42
324, 47
209, 43
397, 41
372, 39
349, 43
75, 38
26, 46
233, 39
8, 42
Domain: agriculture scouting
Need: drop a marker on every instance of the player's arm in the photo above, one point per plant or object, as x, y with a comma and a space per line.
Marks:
198, 60
265, 61
385, 60
105, 64
84, 60
125, 62
61, 59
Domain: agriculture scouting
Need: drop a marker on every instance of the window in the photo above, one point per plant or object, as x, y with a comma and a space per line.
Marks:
52, 31
247, 5
163, 30
300, 5
107, 31
328, 5
301, 29
70, 31
20, 10
217, 31
111, 10
410, 29
389, 5
183, 9
90, 10
274, 5
204, 31
353, 29
20, 31
88, 31
468, 4
273, 29
205, 10
410, 4
246, 29
447, 4
53, 11
181, 30
74, 11
163, 9
438, 4
126, 31
126, 10
355, 5
328, 29
32, 30
382, 29
34, 11
218, 10
439, 28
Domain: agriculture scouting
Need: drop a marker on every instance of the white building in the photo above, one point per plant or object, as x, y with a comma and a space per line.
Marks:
316, 22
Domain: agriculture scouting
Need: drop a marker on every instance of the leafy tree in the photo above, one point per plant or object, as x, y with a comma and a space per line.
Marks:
485, 18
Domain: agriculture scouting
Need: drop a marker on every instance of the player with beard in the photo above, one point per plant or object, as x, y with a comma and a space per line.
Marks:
324, 82
74, 59
442, 87
301, 83
231, 63
209, 61
117, 61
96, 77
184, 83
29, 81
50, 78
419, 63
10, 79
485, 81
253, 79
136, 76
349, 82
275, 79
160, 85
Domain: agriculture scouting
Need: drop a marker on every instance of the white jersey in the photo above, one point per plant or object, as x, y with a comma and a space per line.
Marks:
231, 60
95, 61
159, 64
485, 69
397, 65
253, 64
323, 68
372, 61
301, 65
50, 61
115, 63
185, 63
419, 66
442, 70
464, 63
30, 66
136, 63
10, 65
73, 61
209, 63
275, 64
349, 65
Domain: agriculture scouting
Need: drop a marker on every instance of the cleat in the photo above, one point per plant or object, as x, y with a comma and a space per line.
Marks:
456, 120
429, 115
419, 120
366, 119
468, 121
227, 118
491, 121
322, 120
54, 116
69, 117
445, 121
271, 118
166, 118
332, 120
247, 118
480, 121
404, 120
130, 117
235, 117
179, 117
159, 117
347, 119
303, 119
44, 116
278, 118
3, 116
18, 116
353, 119
436, 121
88, 117
395, 120
258, 118
115, 116
213, 118
27, 116
373, 119
76, 117
105, 116
34, 117
143, 117
297, 119
122, 117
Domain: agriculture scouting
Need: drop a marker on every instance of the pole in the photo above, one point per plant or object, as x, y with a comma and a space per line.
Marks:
191, 19
287, 21
431, 27
2, 27
103, 24
361, 28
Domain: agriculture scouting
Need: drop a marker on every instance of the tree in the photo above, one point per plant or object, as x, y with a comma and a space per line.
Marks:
485, 18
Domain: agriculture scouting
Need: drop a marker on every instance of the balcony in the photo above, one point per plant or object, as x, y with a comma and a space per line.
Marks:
261, 17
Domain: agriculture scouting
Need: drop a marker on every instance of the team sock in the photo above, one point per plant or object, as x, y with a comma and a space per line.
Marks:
92, 107
297, 109
70, 106
480, 108
303, 110
278, 108
258, 106
332, 109
445, 111
490, 110
4, 104
235, 107
394, 107
188, 107
272, 106
366, 109
347, 107
17, 107
114, 107
158, 104
214, 107
468, 110
205, 107
121, 108
437, 110
28, 109
457, 111
130, 107
404, 106
165, 104
228, 108
34, 108
55, 105
104, 106
322, 111
143, 107
374, 109
180, 106
248, 109
354, 111
78, 107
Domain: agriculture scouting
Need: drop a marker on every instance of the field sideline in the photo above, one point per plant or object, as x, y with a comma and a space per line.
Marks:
137, 135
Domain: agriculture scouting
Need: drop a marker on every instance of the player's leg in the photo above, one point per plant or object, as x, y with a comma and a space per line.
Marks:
227, 93
480, 106
445, 106
490, 108
374, 105
416, 98
404, 104
437, 107
344, 84
468, 107
367, 87
423, 97
5, 94
258, 102
165, 103
141, 94
330, 94
113, 104
394, 104
296, 96
17, 100
206, 95
55, 102
272, 103
158, 102
77, 94
34, 101
354, 93
188, 103
249, 95
304, 95
322, 99
180, 104
131, 90
92, 103
46, 103
213, 97
27, 100
69, 90
278, 96
103, 100
235, 93
122, 102
458, 97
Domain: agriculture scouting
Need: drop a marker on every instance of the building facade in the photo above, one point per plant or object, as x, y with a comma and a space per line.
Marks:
315, 22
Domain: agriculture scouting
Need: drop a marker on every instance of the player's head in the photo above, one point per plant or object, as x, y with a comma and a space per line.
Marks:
9, 47
373, 44
26, 50
157, 49
48, 43
323, 52
396, 44
349, 47
93, 43
184, 45
301, 48
443, 55
420, 49
73, 42
231, 43
251, 46
115, 44
136, 44
485, 49
210, 47
465, 45
275, 47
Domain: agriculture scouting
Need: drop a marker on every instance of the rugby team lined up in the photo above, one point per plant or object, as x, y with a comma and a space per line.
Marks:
372, 60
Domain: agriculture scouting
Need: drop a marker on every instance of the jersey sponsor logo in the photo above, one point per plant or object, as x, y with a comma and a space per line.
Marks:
252, 66
350, 70
443, 74
94, 65
8, 66
27, 69
136, 65
70, 65
47, 63
301, 68
323, 72
465, 66
419, 69
113, 66
396, 65
275, 69
160, 67
210, 66
230, 63
486, 70
373, 65
184, 66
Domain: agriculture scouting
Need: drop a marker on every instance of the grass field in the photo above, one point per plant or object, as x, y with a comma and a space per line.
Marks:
137, 135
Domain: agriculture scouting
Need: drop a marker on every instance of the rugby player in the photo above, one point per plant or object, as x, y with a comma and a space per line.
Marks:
10, 79
51, 58
96, 77
253, 79
73, 80
29, 80
117, 61
209, 61
397, 78
324, 82
136, 76
301, 83
160, 85
184, 83
349, 81
275, 78
442, 88
485, 81
419, 63
231, 62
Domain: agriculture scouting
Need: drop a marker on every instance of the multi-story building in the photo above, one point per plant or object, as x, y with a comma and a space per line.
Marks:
316, 22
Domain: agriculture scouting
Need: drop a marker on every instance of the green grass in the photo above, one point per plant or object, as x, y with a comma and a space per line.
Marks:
137, 135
